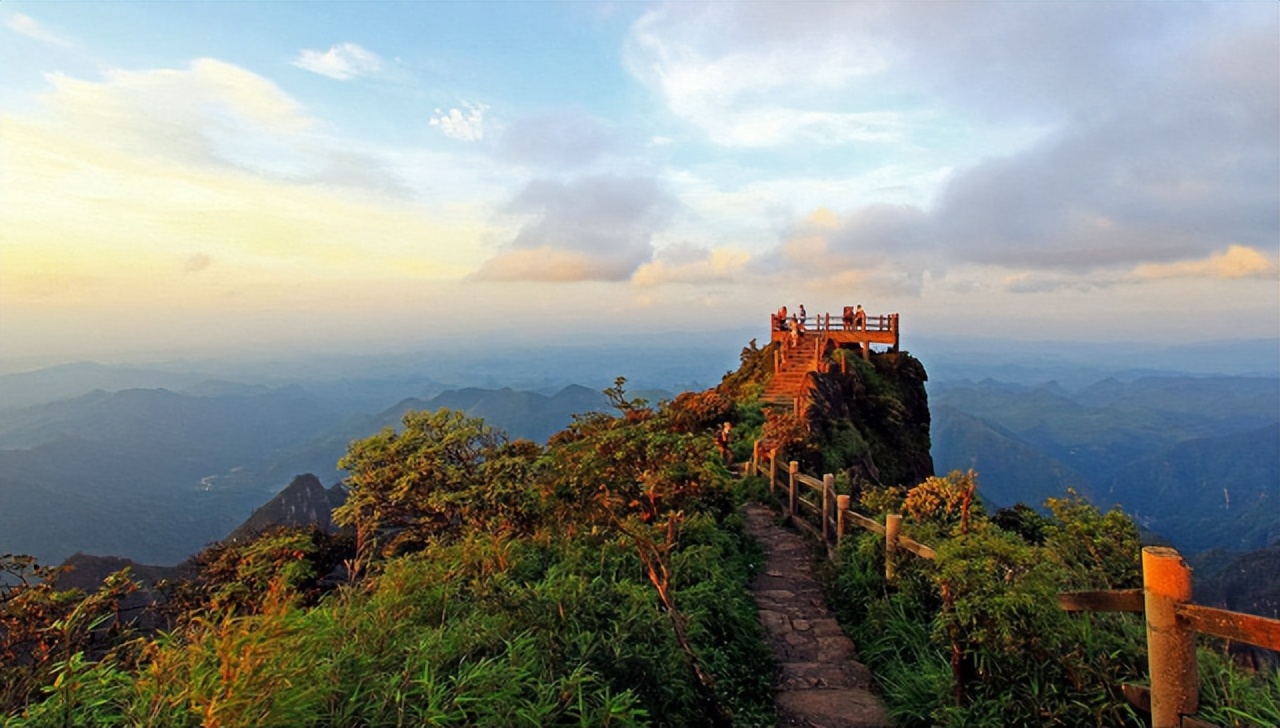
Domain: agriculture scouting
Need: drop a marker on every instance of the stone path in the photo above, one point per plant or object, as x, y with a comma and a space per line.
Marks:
820, 684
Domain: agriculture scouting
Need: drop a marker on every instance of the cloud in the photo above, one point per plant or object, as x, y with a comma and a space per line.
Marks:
561, 139
693, 266
343, 62
466, 124
210, 113
720, 68
28, 26
596, 227
1171, 158
1237, 261
216, 114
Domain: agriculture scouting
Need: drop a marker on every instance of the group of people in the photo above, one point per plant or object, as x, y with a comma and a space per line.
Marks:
795, 325
854, 319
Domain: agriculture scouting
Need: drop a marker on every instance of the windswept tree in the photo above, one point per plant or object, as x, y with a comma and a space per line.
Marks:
442, 473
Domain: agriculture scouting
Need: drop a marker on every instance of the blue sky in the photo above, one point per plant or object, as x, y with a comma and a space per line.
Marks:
241, 177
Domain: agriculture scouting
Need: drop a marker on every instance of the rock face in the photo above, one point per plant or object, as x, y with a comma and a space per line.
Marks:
871, 421
304, 502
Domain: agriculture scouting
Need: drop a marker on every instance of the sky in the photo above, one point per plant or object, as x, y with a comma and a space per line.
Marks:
232, 178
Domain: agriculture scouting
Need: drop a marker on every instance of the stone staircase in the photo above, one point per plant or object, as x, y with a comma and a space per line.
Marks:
790, 381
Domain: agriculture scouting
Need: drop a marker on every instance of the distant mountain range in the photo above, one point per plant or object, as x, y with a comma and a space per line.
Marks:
1195, 459
154, 475
151, 464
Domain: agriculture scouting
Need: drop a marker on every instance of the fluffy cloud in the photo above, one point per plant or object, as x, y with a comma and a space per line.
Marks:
597, 227
466, 124
343, 62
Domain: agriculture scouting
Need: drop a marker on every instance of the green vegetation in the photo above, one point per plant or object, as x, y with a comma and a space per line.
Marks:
601, 580
975, 637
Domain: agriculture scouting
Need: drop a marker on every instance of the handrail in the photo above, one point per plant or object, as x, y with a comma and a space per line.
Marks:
886, 322
834, 513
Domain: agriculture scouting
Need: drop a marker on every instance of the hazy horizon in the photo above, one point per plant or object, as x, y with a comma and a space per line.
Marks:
203, 179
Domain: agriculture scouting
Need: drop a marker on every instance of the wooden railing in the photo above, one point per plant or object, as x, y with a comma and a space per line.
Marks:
1172, 624
835, 517
823, 323
1164, 599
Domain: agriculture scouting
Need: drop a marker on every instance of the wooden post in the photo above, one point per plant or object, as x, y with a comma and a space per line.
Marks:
755, 458
842, 505
892, 523
828, 490
794, 495
773, 471
1171, 642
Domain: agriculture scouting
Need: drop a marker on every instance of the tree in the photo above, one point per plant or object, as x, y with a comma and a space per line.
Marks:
442, 473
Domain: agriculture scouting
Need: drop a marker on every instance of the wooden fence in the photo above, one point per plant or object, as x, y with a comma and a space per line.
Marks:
835, 516
1164, 599
1172, 624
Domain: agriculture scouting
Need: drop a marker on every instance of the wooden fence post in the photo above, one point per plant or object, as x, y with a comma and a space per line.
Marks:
828, 490
892, 523
794, 494
773, 471
755, 458
842, 505
1171, 643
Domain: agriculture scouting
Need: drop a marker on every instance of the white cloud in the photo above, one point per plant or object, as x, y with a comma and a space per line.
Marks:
466, 124
343, 62
776, 92
31, 28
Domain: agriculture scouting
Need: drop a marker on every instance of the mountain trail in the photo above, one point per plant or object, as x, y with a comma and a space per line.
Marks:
819, 683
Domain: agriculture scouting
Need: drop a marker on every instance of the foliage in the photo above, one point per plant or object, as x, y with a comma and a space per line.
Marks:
947, 502
443, 473
45, 631
235, 577
1236, 698
975, 637
601, 581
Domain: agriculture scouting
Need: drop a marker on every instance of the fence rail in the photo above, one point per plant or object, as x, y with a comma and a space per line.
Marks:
1164, 600
1173, 622
833, 512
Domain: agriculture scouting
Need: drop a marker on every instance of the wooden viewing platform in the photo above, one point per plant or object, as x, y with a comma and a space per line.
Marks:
805, 351
867, 330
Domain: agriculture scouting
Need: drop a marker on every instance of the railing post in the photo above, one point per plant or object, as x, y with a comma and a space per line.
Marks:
892, 523
1171, 643
794, 494
842, 505
828, 490
773, 471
